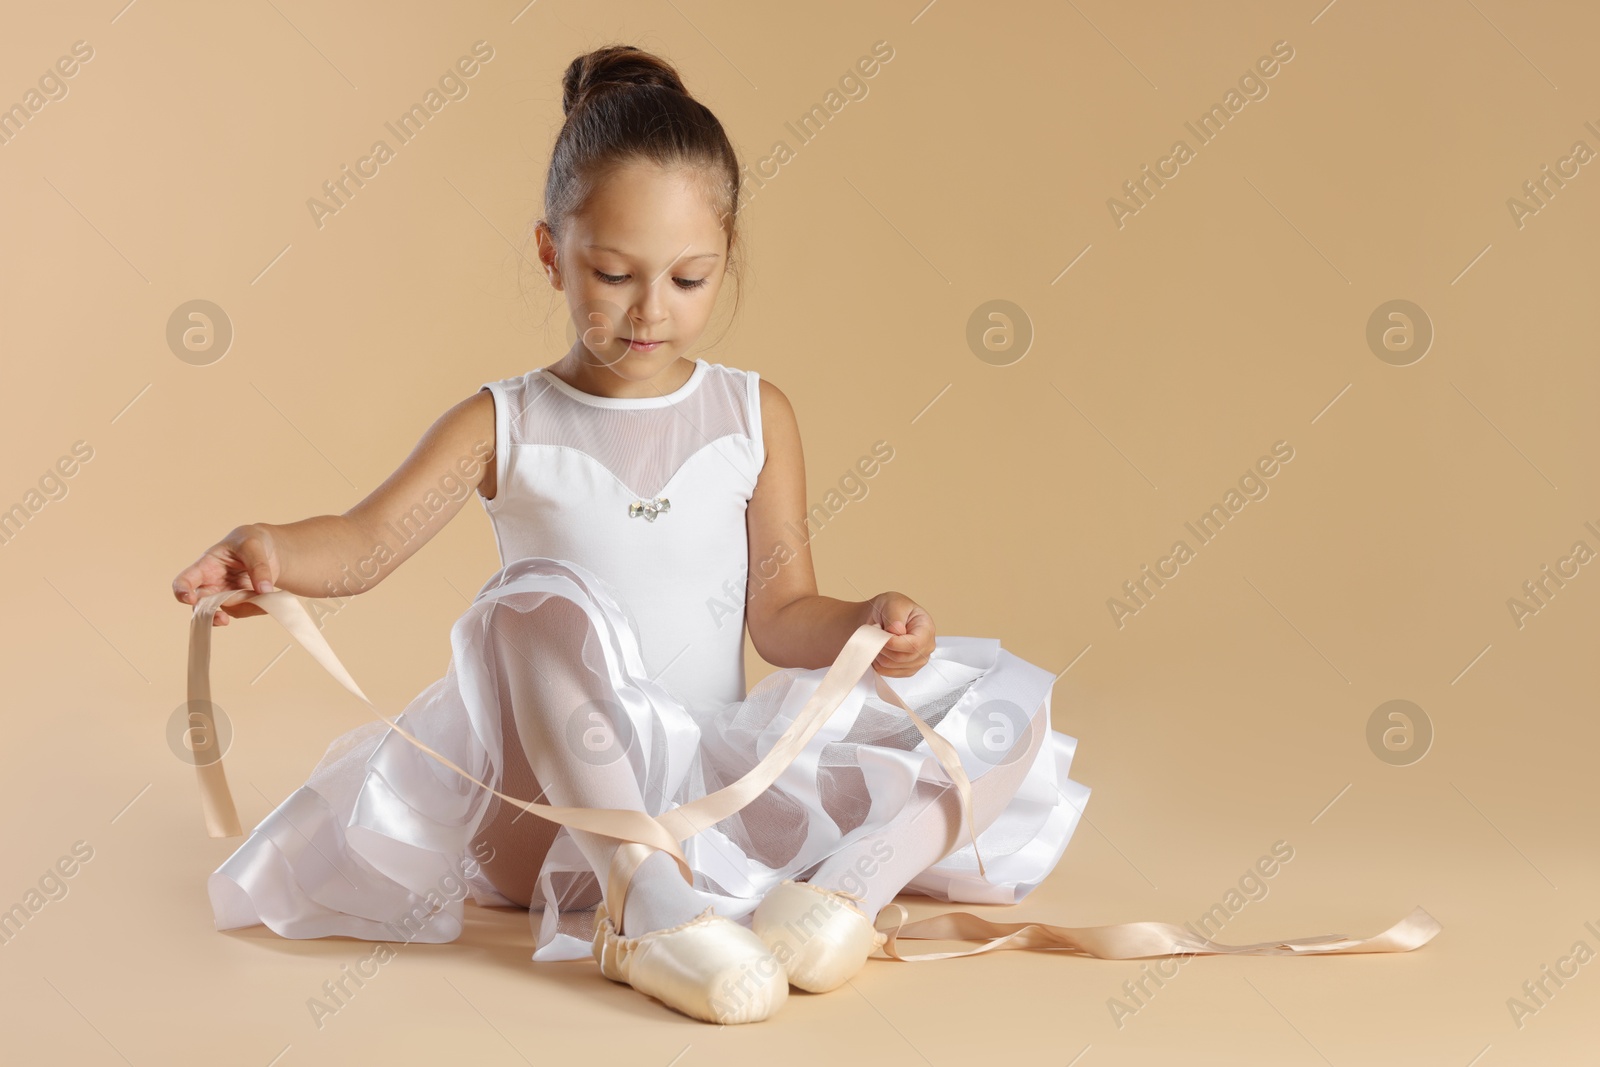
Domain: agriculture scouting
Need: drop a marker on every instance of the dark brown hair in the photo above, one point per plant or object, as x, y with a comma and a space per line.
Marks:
625, 104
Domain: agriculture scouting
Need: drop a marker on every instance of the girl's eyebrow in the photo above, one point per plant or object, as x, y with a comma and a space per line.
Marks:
620, 252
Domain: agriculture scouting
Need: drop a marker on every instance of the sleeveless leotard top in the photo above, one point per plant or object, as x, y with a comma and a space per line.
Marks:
649, 493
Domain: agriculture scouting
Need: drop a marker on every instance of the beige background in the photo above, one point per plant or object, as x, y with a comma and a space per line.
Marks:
1227, 314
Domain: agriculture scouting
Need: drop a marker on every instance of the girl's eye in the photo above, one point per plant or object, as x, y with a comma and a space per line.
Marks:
618, 279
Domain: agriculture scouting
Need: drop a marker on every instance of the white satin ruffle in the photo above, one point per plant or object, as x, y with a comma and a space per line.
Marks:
377, 844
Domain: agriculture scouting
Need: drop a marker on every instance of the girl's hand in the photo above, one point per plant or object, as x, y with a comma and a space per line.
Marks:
907, 652
245, 559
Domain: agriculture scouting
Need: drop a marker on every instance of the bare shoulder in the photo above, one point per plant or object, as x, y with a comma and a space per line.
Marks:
457, 449
476, 412
471, 423
780, 427
460, 445
471, 418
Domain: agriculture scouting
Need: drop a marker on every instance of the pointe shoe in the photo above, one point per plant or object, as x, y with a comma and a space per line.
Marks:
822, 938
710, 968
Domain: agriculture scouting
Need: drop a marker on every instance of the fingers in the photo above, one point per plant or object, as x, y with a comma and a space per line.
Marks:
242, 560
208, 574
188, 588
907, 651
900, 665
187, 585
908, 624
229, 612
256, 556
900, 644
918, 641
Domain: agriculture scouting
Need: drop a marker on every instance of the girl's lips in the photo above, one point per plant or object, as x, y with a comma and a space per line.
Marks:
643, 345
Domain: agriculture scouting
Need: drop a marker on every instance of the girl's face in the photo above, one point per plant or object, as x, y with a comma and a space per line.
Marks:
643, 262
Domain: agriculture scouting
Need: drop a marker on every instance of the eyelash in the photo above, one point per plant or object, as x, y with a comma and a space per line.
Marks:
618, 279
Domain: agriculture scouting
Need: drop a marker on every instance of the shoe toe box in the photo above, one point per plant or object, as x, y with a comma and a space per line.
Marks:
717, 971
821, 940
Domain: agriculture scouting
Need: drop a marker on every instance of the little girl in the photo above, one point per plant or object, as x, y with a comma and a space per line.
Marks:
645, 504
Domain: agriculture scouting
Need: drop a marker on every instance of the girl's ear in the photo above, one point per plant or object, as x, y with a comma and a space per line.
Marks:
547, 252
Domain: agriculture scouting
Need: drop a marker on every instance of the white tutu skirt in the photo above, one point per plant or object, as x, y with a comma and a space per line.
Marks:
379, 843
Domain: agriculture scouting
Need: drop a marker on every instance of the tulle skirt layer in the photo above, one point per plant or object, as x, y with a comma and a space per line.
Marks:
384, 843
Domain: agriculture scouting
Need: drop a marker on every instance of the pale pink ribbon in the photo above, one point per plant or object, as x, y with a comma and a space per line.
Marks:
640, 833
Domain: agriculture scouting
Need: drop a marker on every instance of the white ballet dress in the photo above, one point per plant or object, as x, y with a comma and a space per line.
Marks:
634, 509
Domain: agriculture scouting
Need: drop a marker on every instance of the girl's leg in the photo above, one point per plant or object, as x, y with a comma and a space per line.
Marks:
511, 844
558, 704
928, 829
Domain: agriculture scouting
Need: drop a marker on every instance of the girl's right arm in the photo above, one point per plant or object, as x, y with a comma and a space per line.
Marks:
341, 555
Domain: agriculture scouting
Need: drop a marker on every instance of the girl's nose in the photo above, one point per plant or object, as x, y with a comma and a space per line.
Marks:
650, 307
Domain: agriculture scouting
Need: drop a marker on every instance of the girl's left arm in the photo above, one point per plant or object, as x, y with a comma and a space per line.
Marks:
790, 624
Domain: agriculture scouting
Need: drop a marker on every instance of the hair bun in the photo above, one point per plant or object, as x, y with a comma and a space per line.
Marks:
615, 66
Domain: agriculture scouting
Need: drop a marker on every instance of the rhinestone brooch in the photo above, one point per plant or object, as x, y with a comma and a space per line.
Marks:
649, 508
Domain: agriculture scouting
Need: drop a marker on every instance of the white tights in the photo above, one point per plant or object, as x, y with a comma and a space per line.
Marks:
878, 867
568, 723
566, 720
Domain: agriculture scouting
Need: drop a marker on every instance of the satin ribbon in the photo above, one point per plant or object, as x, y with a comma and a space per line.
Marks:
638, 832
1128, 941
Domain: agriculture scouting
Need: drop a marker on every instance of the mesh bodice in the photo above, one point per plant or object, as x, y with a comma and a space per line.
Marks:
650, 494
641, 442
